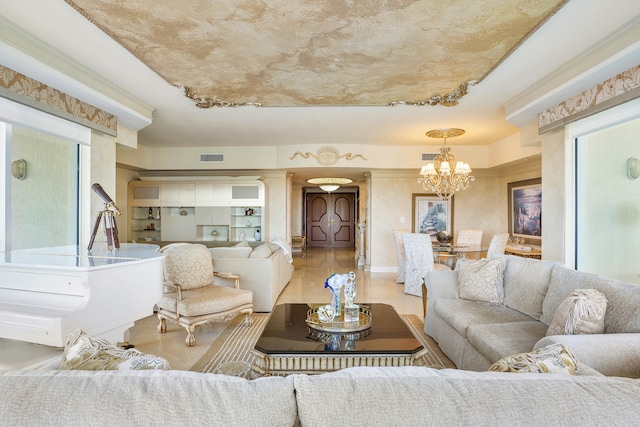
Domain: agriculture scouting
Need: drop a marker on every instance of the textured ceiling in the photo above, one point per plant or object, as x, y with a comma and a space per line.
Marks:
331, 52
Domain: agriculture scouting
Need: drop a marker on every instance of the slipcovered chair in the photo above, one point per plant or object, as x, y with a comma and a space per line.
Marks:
397, 236
419, 252
498, 245
190, 296
469, 238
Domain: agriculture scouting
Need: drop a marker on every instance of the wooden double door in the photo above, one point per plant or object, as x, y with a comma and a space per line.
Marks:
330, 220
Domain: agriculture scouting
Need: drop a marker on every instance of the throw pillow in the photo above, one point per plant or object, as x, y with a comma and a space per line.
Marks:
554, 359
262, 251
482, 280
582, 312
88, 353
243, 244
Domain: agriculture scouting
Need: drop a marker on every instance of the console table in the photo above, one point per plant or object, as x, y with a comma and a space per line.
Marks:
47, 293
533, 253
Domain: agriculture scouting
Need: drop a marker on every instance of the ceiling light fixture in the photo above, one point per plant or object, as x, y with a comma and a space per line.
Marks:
438, 177
329, 184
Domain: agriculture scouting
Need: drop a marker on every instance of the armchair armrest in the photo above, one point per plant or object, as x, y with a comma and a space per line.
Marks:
174, 288
610, 354
232, 276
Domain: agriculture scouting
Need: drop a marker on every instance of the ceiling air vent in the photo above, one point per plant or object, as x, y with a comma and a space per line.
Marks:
211, 157
427, 156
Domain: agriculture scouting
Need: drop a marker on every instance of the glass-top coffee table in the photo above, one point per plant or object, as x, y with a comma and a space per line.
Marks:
288, 345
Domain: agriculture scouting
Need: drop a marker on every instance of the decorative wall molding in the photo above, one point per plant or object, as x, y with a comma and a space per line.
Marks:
327, 155
23, 89
208, 101
614, 91
447, 100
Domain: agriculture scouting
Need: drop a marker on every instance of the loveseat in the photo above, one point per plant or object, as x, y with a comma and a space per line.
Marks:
408, 396
475, 334
264, 270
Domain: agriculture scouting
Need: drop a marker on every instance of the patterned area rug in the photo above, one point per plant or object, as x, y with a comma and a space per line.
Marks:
230, 353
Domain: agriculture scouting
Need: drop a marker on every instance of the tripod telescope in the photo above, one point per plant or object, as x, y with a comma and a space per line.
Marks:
110, 226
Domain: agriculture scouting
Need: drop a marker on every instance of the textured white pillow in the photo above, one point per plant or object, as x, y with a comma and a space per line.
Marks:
582, 312
553, 359
482, 280
262, 251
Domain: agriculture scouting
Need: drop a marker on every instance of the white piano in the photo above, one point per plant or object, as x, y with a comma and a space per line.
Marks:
47, 293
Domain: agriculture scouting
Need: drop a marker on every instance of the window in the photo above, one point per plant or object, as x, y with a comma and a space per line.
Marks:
607, 202
42, 209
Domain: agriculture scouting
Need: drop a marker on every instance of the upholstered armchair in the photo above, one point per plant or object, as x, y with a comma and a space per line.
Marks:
419, 252
190, 296
397, 236
498, 245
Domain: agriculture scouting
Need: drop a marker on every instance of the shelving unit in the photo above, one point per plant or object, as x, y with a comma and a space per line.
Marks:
246, 223
220, 211
145, 223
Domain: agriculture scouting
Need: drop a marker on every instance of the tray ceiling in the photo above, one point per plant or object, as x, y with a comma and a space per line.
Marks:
315, 53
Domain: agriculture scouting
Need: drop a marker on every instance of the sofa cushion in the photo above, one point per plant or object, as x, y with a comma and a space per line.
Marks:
555, 359
84, 352
623, 306
582, 312
206, 300
232, 252
482, 280
498, 340
459, 314
525, 284
262, 251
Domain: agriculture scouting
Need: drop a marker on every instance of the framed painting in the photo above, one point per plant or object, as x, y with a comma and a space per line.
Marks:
432, 215
525, 210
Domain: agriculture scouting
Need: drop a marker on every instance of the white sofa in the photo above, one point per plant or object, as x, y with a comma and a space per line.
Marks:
264, 270
475, 335
408, 396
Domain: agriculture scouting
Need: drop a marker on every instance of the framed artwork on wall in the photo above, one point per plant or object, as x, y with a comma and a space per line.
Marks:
525, 210
431, 214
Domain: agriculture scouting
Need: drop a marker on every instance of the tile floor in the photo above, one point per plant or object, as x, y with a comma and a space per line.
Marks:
307, 285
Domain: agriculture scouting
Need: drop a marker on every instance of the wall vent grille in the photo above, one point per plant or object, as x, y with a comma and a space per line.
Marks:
428, 156
212, 157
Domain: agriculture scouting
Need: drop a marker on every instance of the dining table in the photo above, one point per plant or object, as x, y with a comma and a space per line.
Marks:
449, 254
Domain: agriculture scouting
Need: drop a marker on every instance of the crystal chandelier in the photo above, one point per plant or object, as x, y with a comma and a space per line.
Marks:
437, 177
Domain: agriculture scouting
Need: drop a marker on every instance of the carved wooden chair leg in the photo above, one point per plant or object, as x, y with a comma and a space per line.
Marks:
162, 326
248, 320
191, 337
424, 300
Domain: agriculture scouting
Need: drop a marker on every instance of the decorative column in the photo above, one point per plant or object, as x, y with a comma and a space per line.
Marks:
362, 259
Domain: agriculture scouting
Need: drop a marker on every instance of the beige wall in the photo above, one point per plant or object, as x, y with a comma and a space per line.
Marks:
482, 206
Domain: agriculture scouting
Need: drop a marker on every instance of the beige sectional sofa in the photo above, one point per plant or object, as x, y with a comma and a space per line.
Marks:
264, 270
408, 396
474, 335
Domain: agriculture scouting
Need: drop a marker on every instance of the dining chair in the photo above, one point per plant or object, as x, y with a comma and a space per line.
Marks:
498, 245
419, 253
191, 298
469, 238
402, 260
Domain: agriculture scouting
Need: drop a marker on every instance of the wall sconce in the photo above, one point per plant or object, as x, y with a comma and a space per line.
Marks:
633, 168
19, 169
